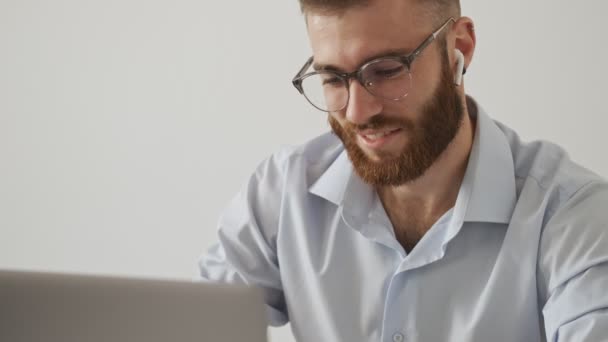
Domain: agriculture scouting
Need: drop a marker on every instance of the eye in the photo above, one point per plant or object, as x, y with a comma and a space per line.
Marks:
389, 72
331, 81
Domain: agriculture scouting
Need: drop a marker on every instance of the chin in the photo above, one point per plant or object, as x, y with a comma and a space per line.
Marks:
381, 158
384, 155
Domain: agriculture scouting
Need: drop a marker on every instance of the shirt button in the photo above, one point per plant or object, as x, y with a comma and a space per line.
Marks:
398, 337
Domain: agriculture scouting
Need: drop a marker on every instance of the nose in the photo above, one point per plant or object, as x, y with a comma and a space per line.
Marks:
361, 104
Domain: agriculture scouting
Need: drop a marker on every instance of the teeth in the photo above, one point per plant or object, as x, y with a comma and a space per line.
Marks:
377, 135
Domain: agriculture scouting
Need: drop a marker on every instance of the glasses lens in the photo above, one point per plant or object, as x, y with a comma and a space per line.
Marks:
388, 78
326, 91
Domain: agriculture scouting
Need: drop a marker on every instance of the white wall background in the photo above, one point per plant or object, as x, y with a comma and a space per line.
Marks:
126, 126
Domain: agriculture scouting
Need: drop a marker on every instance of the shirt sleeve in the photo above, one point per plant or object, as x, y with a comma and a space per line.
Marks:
573, 268
246, 249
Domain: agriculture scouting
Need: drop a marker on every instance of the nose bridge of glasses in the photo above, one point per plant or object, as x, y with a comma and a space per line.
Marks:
357, 76
360, 94
361, 103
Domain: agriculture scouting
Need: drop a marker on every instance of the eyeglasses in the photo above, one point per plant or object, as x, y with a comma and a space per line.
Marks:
384, 77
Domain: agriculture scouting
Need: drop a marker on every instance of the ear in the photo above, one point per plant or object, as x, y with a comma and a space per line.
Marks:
462, 38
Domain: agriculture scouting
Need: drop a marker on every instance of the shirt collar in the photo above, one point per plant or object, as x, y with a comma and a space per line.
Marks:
487, 192
333, 182
490, 176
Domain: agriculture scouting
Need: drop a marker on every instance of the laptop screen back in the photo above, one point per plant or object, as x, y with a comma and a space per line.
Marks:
74, 308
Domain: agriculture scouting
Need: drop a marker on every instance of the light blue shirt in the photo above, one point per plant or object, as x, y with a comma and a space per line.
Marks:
522, 256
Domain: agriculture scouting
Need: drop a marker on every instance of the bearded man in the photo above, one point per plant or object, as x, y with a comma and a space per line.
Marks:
418, 218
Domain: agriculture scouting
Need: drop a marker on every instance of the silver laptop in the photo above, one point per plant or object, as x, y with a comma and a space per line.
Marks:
37, 307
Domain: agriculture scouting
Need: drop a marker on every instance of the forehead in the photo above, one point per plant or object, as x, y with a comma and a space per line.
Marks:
347, 39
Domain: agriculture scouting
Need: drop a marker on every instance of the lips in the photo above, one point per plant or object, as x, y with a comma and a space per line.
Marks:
377, 138
375, 135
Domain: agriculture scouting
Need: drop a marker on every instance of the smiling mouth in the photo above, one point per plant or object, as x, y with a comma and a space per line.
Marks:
377, 135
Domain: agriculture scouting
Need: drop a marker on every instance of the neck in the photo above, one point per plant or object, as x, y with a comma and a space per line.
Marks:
436, 190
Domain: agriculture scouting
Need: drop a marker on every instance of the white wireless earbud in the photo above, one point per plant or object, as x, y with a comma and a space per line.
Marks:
459, 67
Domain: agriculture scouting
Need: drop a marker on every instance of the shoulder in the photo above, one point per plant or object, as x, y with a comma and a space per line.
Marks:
286, 174
306, 162
546, 169
568, 202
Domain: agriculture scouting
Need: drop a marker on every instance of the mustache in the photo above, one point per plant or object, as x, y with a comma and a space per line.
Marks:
380, 121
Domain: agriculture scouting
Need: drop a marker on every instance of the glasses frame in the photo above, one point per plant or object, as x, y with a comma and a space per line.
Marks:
407, 60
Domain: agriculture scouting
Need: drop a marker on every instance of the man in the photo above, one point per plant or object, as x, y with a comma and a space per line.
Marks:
420, 218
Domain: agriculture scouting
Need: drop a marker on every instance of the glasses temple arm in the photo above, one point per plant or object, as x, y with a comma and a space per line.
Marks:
305, 67
428, 41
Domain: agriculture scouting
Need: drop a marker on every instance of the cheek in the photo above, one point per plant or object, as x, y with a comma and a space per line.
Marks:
336, 121
420, 94
336, 117
407, 108
426, 77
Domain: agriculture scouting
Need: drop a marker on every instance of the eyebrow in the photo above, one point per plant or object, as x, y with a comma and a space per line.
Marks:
385, 53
